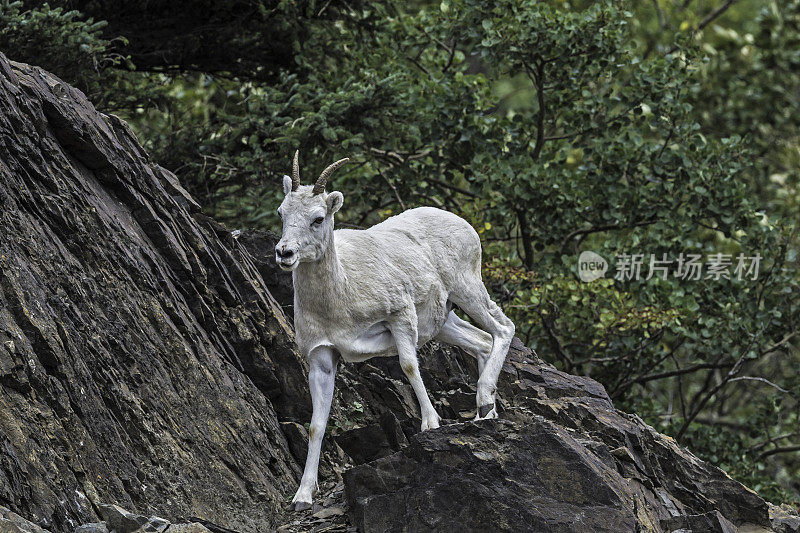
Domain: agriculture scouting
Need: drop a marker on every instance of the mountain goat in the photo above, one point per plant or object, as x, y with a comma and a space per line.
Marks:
383, 291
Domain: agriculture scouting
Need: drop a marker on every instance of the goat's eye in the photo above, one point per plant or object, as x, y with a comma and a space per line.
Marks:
317, 221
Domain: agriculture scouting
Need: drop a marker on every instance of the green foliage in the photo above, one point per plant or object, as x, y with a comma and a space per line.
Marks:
742, 449
349, 417
750, 88
554, 127
57, 40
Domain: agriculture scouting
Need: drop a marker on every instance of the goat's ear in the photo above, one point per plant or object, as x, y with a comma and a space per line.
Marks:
287, 184
335, 201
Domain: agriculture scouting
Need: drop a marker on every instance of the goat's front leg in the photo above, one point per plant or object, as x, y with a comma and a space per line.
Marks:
405, 336
321, 377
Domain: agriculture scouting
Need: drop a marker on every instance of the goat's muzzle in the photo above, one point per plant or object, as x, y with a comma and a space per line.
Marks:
285, 257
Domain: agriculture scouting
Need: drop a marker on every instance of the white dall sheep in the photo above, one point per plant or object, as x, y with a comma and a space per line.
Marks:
383, 291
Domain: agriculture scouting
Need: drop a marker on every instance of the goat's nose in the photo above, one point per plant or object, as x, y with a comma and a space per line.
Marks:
282, 252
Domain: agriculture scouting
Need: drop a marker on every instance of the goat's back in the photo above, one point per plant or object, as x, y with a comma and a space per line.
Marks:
425, 238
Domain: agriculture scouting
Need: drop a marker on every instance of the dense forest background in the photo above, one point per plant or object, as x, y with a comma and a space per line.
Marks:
663, 128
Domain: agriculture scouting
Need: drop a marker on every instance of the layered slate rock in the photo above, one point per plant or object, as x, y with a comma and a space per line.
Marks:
784, 519
11, 522
142, 360
561, 459
490, 476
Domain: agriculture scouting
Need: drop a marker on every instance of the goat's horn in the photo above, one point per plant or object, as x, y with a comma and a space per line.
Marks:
319, 186
296, 171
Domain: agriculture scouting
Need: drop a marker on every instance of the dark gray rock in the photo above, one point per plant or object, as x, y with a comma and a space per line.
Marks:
11, 522
194, 527
490, 476
260, 244
712, 522
562, 452
297, 437
784, 518
96, 527
328, 514
370, 442
121, 521
142, 359
118, 520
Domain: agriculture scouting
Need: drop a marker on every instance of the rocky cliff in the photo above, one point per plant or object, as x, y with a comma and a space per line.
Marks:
145, 363
142, 361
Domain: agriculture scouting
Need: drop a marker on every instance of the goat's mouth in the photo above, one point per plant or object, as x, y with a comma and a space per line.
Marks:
288, 266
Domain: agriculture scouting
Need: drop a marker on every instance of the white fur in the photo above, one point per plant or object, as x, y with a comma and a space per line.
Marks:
383, 291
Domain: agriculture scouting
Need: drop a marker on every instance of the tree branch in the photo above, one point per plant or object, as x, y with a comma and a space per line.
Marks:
419, 66
784, 449
661, 21
772, 440
394, 189
763, 380
597, 229
562, 351
537, 78
678, 372
722, 8
525, 235
733, 371
708, 19
450, 58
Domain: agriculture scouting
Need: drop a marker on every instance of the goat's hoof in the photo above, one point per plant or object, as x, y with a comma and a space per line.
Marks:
430, 424
301, 506
486, 411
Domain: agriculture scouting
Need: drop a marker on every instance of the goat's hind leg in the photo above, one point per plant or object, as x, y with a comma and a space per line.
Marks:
460, 333
474, 300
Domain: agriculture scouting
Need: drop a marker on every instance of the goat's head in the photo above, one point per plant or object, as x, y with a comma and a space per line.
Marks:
307, 212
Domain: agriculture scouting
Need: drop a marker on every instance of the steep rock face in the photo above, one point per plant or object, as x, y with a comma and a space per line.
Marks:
141, 358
